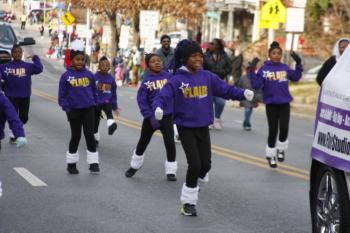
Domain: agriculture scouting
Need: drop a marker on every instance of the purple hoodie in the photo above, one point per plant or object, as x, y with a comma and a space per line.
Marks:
149, 91
273, 79
77, 90
9, 114
106, 89
193, 96
17, 77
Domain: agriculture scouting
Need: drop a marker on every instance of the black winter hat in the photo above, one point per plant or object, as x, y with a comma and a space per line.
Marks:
189, 49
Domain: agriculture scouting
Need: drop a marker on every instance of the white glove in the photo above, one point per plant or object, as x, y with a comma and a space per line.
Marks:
158, 114
248, 94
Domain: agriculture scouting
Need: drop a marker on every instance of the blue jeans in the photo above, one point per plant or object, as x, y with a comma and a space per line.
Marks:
247, 114
219, 104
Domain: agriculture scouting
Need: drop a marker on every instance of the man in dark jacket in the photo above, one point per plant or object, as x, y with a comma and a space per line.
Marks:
217, 61
338, 50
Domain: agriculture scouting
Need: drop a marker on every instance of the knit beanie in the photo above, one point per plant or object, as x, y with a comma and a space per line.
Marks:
77, 48
189, 49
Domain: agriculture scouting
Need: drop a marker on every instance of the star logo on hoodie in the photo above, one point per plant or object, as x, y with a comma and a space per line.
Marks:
149, 85
70, 78
267, 74
183, 86
7, 71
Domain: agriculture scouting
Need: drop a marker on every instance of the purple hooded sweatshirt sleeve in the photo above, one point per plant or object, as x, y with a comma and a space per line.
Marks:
37, 66
222, 89
143, 102
9, 114
114, 96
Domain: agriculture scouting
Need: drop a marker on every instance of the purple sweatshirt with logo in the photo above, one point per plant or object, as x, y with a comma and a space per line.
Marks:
193, 96
149, 91
77, 90
106, 90
17, 77
9, 114
273, 79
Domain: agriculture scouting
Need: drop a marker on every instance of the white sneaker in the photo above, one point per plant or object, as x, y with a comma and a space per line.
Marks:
217, 124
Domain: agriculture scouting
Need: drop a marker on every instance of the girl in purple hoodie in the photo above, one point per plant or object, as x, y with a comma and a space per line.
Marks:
106, 89
146, 95
17, 82
273, 77
77, 97
192, 90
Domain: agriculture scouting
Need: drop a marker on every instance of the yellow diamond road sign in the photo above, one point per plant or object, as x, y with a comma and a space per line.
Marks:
68, 19
272, 13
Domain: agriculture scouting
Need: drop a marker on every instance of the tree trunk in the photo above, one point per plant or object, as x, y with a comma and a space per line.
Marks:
114, 40
136, 26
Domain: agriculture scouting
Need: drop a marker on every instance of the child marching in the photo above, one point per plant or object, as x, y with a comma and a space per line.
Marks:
273, 78
8, 113
106, 89
192, 90
17, 82
77, 97
147, 93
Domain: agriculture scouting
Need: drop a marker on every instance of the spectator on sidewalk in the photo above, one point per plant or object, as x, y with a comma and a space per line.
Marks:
218, 62
338, 50
166, 53
41, 30
23, 19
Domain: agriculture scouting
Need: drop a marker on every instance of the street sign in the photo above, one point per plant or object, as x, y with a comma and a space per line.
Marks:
274, 10
295, 20
68, 19
297, 3
268, 24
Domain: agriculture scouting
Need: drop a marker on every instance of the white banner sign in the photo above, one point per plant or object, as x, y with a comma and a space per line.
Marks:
295, 20
149, 22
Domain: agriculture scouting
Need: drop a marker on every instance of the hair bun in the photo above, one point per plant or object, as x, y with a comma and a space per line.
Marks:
274, 44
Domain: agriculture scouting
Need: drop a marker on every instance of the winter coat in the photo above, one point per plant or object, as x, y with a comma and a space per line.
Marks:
221, 67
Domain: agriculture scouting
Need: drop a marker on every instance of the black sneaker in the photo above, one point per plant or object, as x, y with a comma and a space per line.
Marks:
280, 155
94, 168
272, 162
171, 177
12, 140
72, 168
130, 172
112, 128
188, 210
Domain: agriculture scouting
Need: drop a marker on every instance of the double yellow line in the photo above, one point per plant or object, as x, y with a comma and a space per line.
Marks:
218, 150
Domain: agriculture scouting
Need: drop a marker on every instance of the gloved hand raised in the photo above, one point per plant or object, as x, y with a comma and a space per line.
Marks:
295, 57
21, 141
158, 113
252, 65
154, 123
248, 94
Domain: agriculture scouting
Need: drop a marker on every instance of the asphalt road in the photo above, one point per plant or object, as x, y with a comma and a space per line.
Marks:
243, 195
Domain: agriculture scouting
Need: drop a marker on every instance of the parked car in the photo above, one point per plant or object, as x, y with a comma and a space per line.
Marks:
330, 169
2, 14
8, 39
311, 74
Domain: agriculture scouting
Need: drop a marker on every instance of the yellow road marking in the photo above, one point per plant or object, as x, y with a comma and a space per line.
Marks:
218, 150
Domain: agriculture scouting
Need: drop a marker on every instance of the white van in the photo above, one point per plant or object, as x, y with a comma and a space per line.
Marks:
330, 169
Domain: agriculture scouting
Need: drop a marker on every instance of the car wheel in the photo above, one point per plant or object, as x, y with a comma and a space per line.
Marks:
329, 202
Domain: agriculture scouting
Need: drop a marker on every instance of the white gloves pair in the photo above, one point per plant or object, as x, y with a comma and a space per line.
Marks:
248, 94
